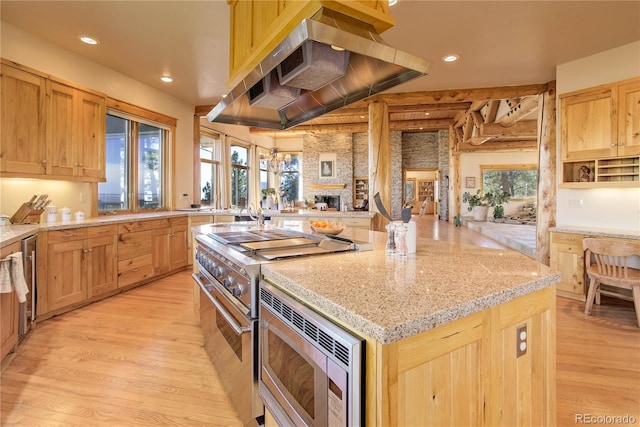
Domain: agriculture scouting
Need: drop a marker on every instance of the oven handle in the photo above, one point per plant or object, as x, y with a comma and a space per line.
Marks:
239, 330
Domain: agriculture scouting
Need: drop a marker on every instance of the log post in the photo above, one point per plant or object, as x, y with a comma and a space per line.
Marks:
546, 216
379, 161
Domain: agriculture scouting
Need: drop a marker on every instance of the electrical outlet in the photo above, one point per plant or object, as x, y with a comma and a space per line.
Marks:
521, 340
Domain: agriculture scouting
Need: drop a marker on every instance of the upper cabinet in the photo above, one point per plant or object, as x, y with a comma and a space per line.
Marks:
258, 26
23, 114
51, 129
600, 135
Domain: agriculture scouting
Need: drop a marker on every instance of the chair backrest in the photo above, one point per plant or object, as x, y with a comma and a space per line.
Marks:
611, 256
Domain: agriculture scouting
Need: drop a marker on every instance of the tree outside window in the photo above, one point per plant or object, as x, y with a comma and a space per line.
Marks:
519, 181
239, 176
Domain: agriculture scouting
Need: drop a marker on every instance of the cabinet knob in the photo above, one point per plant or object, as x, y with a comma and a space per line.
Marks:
43, 162
613, 144
87, 250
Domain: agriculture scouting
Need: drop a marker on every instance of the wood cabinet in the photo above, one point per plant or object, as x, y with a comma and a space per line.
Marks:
23, 131
169, 246
80, 264
469, 372
257, 27
360, 189
50, 128
600, 135
9, 311
567, 257
76, 133
147, 249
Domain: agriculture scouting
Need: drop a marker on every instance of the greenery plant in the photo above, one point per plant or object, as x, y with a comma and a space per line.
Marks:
487, 199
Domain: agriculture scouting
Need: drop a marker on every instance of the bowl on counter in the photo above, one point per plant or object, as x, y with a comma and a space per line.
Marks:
326, 226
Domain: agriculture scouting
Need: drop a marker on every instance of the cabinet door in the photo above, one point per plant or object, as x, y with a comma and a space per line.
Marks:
61, 136
629, 119
65, 284
101, 265
161, 251
9, 311
22, 124
90, 151
567, 257
178, 245
588, 124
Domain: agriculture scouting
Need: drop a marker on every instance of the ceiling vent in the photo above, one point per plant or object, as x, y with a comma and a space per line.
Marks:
313, 65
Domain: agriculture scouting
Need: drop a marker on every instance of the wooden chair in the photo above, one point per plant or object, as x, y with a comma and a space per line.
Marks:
608, 263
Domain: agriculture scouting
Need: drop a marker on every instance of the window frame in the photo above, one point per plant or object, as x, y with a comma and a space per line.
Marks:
510, 167
138, 115
215, 165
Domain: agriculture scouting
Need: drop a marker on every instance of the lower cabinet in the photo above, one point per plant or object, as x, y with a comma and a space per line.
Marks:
469, 372
567, 257
79, 264
169, 246
9, 311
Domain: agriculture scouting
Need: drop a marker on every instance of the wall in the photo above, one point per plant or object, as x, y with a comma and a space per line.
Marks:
616, 208
26, 49
470, 167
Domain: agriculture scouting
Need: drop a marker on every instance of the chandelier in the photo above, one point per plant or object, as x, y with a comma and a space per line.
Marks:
276, 161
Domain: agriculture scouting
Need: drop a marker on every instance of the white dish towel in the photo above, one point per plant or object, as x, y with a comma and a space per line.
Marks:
12, 276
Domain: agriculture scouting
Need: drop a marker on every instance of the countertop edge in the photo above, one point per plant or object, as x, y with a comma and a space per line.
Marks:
430, 321
599, 232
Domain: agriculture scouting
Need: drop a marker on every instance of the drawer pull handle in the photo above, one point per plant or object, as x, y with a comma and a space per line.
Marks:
135, 270
103, 231
136, 244
68, 235
87, 250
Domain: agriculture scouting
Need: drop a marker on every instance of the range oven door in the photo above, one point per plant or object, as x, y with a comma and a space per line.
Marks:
299, 384
230, 340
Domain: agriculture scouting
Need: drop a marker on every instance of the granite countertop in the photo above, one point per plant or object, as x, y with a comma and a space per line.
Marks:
389, 298
599, 232
15, 232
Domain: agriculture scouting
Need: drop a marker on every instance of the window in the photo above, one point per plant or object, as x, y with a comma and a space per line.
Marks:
520, 181
209, 165
136, 150
290, 181
239, 176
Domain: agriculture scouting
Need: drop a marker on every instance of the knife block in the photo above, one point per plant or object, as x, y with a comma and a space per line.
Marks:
26, 215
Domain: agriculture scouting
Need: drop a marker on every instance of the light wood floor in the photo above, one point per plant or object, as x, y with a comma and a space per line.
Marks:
137, 359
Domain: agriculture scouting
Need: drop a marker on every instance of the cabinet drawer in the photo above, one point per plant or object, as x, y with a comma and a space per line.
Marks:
67, 235
131, 245
567, 238
102, 230
179, 221
143, 225
134, 270
357, 222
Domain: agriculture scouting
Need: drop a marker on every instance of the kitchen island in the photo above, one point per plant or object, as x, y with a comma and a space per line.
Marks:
444, 329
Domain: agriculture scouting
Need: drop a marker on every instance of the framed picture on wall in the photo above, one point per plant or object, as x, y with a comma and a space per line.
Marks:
327, 165
470, 182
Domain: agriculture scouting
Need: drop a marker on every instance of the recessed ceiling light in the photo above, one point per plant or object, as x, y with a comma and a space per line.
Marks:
426, 114
166, 79
393, 2
450, 57
89, 40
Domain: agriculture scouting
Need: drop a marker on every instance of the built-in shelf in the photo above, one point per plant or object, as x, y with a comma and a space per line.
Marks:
612, 172
360, 188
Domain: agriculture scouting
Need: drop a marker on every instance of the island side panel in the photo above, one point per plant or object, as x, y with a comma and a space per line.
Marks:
526, 391
468, 373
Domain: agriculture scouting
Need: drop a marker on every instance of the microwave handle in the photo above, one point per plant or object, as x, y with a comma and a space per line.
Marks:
239, 330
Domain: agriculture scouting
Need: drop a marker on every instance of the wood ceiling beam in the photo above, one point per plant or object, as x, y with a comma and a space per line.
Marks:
527, 128
526, 145
457, 95
492, 110
401, 125
519, 111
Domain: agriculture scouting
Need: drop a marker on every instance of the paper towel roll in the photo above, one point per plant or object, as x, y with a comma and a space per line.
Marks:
411, 236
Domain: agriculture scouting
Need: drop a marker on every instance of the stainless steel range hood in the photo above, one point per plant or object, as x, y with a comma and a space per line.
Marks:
327, 62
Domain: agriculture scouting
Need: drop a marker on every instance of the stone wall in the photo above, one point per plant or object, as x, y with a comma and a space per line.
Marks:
342, 146
410, 150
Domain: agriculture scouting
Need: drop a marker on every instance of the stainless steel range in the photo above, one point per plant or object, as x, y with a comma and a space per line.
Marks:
229, 264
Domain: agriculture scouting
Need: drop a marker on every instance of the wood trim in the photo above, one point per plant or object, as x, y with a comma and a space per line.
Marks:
141, 112
547, 177
327, 185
